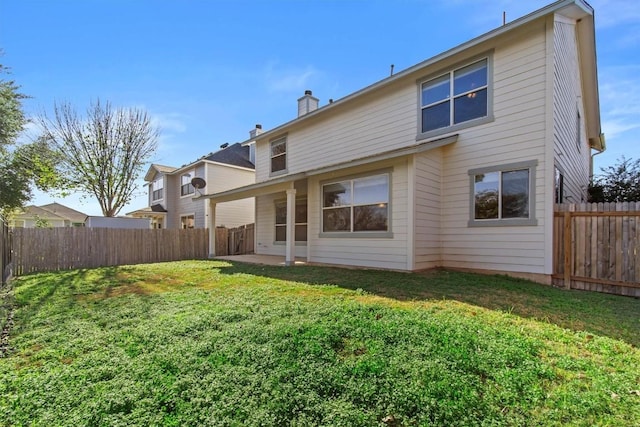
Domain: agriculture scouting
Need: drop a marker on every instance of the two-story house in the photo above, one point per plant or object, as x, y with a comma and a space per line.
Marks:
171, 192
455, 162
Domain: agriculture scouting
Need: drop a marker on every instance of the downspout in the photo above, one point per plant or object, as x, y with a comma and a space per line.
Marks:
591, 164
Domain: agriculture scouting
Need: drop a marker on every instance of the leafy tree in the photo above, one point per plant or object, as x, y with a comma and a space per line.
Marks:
102, 153
12, 119
617, 183
42, 222
14, 189
22, 166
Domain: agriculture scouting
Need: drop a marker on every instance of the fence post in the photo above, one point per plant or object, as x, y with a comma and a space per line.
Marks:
5, 252
567, 249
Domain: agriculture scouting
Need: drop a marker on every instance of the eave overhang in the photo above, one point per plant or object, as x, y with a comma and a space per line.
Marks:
569, 8
285, 182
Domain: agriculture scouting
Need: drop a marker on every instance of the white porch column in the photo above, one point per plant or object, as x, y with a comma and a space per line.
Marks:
212, 228
290, 251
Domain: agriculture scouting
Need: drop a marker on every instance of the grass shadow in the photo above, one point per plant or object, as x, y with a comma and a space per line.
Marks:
603, 314
39, 290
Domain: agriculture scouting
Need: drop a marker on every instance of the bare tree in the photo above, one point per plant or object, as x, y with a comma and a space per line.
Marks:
103, 153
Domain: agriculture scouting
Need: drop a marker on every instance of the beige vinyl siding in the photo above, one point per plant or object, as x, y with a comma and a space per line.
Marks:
516, 135
221, 178
390, 253
186, 205
567, 103
170, 200
236, 213
218, 177
428, 197
374, 124
51, 222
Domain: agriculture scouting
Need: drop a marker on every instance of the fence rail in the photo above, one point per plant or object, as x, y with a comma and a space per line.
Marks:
597, 247
51, 249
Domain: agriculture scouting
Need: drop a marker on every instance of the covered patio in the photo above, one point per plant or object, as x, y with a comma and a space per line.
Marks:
284, 185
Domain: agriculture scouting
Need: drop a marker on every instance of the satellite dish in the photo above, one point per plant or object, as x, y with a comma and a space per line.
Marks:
198, 183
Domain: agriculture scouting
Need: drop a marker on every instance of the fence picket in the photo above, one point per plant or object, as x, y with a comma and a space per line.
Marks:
50, 249
596, 247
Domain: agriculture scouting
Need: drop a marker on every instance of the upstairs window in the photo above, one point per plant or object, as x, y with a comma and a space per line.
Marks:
279, 155
456, 97
185, 184
157, 187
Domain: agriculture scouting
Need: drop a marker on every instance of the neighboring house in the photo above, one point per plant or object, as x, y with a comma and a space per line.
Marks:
50, 215
455, 162
171, 194
117, 222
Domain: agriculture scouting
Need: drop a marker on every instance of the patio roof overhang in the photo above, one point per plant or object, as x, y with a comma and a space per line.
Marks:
286, 182
147, 213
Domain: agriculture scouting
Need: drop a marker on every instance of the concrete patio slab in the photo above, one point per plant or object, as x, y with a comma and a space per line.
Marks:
260, 259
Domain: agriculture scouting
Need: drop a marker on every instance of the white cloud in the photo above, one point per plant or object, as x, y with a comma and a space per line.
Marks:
620, 105
613, 128
613, 13
169, 122
292, 79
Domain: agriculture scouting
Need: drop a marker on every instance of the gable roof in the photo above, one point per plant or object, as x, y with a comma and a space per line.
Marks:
33, 211
154, 168
575, 9
232, 155
235, 155
65, 212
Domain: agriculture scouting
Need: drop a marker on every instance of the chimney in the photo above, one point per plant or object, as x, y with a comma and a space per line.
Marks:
255, 132
307, 103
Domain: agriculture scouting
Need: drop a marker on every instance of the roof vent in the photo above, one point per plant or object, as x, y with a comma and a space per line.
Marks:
225, 145
307, 103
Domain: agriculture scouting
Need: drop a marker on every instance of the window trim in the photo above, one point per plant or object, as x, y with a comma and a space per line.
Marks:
504, 222
281, 138
275, 224
359, 234
191, 174
451, 70
153, 199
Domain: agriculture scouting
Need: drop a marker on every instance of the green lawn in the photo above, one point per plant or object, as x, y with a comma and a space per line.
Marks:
216, 343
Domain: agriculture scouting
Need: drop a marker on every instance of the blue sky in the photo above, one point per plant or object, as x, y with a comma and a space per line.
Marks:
208, 71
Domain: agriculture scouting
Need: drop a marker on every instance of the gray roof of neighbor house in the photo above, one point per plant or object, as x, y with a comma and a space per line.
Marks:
236, 155
33, 211
233, 155
65, 212
157, 168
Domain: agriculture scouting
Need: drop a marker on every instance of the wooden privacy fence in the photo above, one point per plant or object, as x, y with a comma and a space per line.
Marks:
235, 241
597, 246
51, 249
